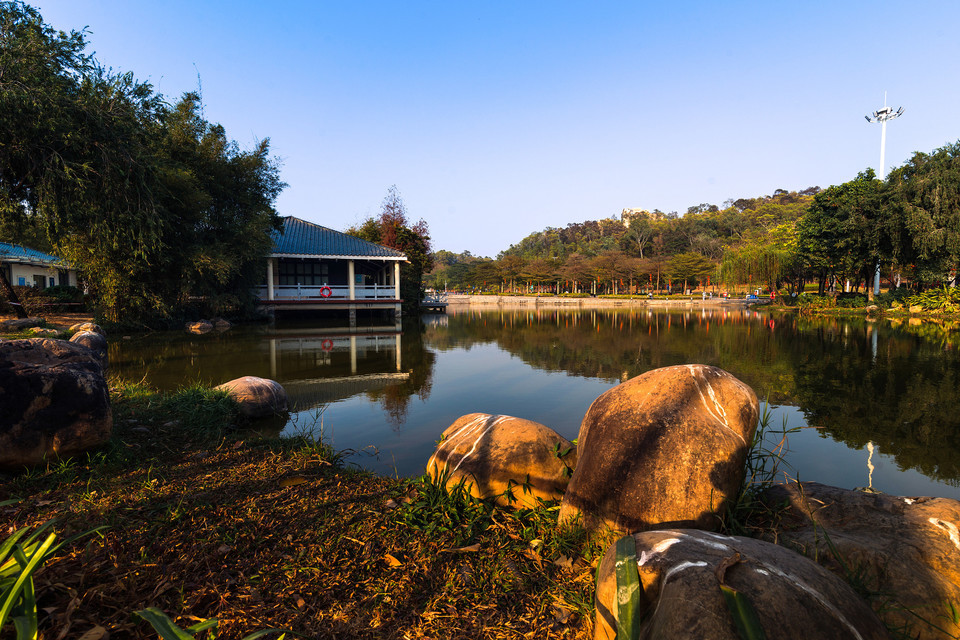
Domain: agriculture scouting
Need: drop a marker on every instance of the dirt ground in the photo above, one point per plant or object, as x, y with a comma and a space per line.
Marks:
56, 319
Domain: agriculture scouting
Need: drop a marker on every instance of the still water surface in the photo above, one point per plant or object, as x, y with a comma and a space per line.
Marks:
878, 401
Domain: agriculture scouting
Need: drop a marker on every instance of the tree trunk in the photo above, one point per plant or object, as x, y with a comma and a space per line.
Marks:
11, 295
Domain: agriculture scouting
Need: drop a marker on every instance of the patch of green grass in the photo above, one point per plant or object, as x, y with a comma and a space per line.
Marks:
749, 514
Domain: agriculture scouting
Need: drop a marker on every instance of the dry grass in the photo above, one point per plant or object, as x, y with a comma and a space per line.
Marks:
207, 521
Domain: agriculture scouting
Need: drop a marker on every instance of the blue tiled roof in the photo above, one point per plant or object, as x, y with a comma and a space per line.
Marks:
302, 238
16, 253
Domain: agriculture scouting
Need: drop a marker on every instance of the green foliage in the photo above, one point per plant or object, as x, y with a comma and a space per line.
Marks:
744, 614
764, 463
22, 554
628, 589
439, 509
923, 210
767, 260
942, 300
691, 267
840, 301
840, 234
392, 229
152, 203
168, 630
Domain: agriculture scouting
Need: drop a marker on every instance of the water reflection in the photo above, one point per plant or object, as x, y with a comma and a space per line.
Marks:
889, 385
858, 381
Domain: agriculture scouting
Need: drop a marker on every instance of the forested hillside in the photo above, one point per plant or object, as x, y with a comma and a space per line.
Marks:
908, 227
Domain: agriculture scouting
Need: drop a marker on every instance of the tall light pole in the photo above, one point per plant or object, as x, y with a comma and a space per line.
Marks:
883, 116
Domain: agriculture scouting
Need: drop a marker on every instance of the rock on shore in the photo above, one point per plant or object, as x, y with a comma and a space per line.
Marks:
680, 573
906, 550
54, 401
664, 449
512, 460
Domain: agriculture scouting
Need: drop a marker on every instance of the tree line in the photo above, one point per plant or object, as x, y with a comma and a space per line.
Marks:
907, 226
162, 211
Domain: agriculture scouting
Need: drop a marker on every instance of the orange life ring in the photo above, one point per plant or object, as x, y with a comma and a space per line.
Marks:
325, 291
327, 345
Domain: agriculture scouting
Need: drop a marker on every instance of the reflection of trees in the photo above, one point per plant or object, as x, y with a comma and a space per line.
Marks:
902, 400
419, 362
617, 344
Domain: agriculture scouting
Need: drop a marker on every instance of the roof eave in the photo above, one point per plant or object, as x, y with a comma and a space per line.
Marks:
336, 257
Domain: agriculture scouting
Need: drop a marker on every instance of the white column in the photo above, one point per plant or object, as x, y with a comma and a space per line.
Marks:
396, 280
269, 278
351, 280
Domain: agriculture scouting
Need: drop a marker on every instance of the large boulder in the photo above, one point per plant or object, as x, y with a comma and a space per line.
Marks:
664, 449
96, 342
512, 460
678, 575
257, 397
906, 550
54, 401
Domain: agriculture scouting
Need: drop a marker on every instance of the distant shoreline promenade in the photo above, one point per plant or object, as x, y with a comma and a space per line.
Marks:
593, 303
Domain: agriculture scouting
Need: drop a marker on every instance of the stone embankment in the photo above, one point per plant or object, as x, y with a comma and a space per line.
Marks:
596, 303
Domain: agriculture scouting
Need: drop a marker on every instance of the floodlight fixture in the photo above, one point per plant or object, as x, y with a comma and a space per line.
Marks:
883, 116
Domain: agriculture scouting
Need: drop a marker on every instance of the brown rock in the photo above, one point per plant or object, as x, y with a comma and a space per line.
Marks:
907, 550
221, 324
680, 573
664, 449
20, 324
201, 326
257, 397
54, 401
96, 342
88, 326
492, 454
915, 308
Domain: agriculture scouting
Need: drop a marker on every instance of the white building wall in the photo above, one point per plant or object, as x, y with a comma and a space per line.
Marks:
24, 274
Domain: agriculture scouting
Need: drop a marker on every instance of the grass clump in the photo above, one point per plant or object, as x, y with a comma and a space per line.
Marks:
750, 514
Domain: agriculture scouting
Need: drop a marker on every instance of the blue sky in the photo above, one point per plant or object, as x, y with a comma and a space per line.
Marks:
498, 119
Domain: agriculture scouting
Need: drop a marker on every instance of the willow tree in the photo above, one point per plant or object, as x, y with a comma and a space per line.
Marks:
769, 260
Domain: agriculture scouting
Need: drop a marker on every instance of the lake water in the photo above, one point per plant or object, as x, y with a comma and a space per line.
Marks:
877, 401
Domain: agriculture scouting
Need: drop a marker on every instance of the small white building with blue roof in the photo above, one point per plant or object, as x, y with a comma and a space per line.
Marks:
28, 267
312, 267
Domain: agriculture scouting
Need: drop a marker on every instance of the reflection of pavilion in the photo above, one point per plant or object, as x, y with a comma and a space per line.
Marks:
322, 366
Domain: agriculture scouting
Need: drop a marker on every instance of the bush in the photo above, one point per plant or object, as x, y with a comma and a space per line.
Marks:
942, 300
840, 301
59, 298
892, 298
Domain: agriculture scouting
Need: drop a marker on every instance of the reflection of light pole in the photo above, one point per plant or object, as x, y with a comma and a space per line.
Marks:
882, 116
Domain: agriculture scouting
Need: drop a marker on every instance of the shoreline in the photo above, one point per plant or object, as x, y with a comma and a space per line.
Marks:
597, 303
